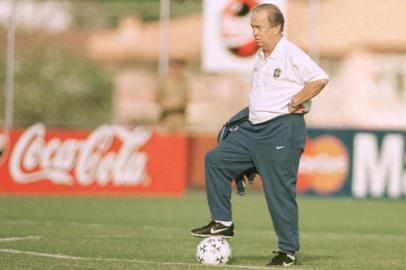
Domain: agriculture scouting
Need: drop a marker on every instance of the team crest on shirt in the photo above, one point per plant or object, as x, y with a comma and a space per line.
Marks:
277, 73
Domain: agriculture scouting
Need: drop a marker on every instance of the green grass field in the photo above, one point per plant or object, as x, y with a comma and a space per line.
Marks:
152, 233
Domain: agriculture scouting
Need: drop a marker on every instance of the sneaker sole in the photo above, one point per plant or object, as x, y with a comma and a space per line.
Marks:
209, 235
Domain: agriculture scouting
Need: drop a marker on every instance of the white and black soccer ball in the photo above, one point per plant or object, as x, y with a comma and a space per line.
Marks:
213, 250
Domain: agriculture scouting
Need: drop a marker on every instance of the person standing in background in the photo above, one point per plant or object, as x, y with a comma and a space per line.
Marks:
172, 96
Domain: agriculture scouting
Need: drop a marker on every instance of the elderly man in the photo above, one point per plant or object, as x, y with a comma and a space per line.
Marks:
284, 81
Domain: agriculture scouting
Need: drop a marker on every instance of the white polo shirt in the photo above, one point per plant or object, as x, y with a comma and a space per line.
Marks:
277, 78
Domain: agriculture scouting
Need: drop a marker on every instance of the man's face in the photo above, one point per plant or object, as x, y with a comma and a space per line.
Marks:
262, 30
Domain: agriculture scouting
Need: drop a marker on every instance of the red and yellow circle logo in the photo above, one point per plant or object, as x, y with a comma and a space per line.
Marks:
324, 165
236, 32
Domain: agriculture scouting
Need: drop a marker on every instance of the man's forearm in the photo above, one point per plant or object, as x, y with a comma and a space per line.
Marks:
309, 91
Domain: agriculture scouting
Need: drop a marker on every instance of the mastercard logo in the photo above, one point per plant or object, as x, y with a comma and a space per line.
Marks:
236, 33
324, 165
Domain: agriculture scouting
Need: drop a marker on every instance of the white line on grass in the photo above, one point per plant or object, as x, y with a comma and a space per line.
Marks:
52, 222
55, 256
9, 239
67, 257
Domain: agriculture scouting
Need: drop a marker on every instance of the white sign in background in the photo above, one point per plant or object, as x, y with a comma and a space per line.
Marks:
217, 55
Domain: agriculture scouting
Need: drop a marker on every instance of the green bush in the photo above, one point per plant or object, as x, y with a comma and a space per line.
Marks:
59, 89
103, 14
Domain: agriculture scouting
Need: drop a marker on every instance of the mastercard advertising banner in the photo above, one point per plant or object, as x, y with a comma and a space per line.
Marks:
325, 166
359, 163
335, 162
228, 41
108, 160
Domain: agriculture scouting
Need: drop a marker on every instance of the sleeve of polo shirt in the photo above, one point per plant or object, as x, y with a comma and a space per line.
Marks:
306, 68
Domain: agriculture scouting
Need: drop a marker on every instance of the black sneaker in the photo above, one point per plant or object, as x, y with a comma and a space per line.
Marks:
214, 229
283, 259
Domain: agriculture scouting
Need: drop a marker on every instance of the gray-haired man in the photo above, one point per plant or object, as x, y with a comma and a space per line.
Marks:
284, 81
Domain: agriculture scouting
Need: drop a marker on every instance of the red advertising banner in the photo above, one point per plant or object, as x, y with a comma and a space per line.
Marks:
108, 160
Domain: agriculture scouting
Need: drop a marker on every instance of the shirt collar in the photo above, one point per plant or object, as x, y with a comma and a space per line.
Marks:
277, 51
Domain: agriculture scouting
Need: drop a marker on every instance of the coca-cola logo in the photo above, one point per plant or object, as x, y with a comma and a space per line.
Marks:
4, 142
109, 155
236, 32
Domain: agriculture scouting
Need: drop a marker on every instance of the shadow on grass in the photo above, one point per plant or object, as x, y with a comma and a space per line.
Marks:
302, 259
243, 259
305, 258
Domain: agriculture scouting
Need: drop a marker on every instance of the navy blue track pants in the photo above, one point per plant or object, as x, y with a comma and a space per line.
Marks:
274, 149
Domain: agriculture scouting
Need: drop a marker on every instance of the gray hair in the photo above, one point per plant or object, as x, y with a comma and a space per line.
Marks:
275, 16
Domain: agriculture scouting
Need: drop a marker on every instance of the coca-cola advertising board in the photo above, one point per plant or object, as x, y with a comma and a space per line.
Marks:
108, 160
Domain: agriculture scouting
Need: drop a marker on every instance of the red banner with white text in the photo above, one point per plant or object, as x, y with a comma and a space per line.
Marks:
108, 160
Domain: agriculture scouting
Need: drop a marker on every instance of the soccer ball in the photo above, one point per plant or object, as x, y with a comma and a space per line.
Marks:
213, 250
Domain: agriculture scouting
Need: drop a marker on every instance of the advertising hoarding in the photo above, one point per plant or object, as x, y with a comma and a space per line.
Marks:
228, 44
114, 160
108, 160
335, 162
358, 163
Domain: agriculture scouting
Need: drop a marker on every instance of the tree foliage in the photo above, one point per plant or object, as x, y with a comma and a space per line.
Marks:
59, 89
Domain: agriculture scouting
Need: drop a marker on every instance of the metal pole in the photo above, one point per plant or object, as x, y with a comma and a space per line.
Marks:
10, 66
164, 37
314, 6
